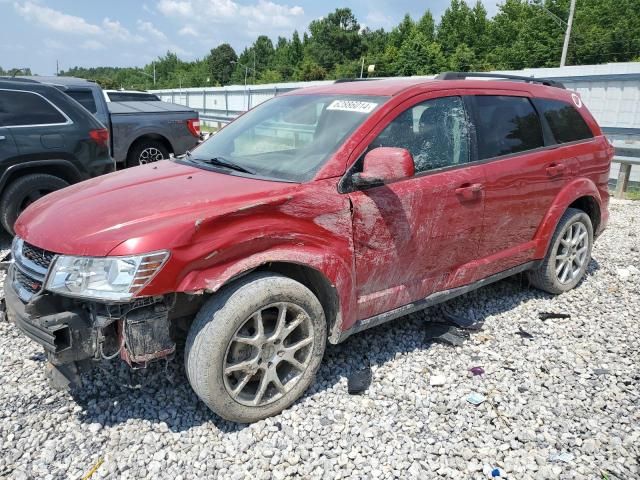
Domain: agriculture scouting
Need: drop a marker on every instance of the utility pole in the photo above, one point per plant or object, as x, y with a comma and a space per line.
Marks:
254, 65
57, 68
362, 68
154, 74
567, 34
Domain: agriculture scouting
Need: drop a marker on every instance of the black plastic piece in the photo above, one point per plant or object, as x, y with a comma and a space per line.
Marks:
359, 381
465, 75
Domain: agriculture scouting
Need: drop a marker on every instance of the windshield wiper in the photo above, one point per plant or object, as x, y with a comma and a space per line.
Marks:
222, 162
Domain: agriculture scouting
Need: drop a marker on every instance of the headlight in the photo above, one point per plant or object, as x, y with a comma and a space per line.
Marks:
104, 278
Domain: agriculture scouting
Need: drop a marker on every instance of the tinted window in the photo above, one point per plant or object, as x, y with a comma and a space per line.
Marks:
132, 97
25, 108
84, 98
436, 132
506, 125
566, 124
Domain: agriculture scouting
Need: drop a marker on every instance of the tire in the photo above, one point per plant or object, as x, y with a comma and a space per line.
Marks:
547, 277
217, 363
22, 192
146, 151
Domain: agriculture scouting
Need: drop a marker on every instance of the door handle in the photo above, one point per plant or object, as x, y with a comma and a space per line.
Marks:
469, 191
556, 169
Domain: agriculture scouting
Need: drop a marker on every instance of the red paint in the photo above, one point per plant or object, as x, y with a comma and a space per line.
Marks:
380, 247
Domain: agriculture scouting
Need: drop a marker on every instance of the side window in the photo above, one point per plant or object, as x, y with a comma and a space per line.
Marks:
436, 132
506, 125
85, 98
567, 125
19, 108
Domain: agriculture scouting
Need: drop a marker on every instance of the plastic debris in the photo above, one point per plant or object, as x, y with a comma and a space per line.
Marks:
462, 322
447, 334
547, 315
359, 381
475, 371
524, 334
475, 398
565, 457
601, 371
437, 380
495, 473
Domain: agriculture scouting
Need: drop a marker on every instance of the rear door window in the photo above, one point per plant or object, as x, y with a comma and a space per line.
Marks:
84, 97
506, 125
19, 108
566, 124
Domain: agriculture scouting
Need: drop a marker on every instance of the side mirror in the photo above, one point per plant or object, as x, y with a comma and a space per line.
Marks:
385, 165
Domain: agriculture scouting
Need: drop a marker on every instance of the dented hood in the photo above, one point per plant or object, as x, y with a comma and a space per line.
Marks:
166, 200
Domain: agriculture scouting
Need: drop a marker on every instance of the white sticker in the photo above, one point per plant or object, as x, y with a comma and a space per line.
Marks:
576, 99
352, 106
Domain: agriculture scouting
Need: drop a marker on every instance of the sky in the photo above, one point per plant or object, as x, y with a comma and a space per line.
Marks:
91, 33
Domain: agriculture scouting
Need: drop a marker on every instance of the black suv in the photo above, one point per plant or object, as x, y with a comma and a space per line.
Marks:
47, 141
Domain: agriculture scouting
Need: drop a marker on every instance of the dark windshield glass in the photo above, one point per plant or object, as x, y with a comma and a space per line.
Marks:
289, 137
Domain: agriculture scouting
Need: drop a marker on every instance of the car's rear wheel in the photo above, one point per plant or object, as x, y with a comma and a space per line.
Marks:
568, 255
147, 151
255, 347
23, 192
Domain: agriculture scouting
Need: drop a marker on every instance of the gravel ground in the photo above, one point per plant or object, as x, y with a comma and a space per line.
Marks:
563, 404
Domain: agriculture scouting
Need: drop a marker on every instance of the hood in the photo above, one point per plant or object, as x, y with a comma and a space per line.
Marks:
161, 199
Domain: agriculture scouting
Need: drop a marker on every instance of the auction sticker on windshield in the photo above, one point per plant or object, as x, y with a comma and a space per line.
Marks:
352, 106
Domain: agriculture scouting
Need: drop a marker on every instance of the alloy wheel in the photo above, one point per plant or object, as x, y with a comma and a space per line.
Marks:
150, 155
572, 252
268, 354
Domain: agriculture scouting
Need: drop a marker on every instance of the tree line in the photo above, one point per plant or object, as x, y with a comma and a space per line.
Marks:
521, 34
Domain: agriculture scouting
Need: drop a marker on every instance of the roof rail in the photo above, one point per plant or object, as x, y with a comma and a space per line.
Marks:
346, 80
465, 75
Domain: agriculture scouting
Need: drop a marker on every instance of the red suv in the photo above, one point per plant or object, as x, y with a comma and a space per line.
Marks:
316, 215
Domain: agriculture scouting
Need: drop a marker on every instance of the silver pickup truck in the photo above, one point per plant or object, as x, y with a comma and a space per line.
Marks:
140, 132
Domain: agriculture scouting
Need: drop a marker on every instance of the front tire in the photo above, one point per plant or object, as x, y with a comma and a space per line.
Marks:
23, 192
568, 255
255, 347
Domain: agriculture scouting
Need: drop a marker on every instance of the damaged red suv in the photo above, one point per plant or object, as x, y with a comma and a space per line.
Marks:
316, 215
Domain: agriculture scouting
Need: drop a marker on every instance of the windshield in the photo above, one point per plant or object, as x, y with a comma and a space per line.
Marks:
287, 138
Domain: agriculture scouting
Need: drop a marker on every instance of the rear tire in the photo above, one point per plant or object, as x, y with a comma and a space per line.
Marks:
147, 151
229, 355
568, 255
23, 192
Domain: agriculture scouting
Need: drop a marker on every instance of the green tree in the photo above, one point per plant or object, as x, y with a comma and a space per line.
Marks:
310, 70
427, 26
418, 56
401, 33
334, 39
220, 64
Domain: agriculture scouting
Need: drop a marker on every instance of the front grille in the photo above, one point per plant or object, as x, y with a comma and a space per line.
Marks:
37, 255
31, 267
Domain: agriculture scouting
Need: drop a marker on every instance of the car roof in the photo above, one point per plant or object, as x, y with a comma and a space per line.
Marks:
395, 86
18, 84
129, 91
53, 80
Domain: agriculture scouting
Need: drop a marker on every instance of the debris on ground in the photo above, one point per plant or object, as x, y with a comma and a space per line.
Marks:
467, 322
601, 371
447, 334
475, 398
524, 334
475, 371
437, 380
548, 315
359, 381
564, 457
628, 272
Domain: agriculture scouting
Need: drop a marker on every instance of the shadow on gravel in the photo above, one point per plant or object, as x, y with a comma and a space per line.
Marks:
112, 394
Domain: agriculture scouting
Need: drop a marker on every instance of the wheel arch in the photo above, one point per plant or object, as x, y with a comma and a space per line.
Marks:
582, 194
150, 136
63, 169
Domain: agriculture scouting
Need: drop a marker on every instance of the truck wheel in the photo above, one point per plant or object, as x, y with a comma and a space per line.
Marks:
568, 255
147, 151
23, 192
255, 347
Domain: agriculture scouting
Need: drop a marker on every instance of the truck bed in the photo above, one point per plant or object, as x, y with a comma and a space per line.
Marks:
126, 108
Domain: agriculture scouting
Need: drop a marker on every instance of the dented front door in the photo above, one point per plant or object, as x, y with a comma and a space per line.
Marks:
416, 236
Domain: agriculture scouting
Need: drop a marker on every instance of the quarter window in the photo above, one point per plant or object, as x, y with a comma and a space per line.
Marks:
567, 125
436, 132
506, 125
85, 98
18, 108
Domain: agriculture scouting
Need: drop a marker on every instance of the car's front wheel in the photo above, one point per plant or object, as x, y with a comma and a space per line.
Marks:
568, 255
255, 347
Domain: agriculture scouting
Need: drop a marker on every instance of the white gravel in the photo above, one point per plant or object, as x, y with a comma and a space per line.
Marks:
565, 404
